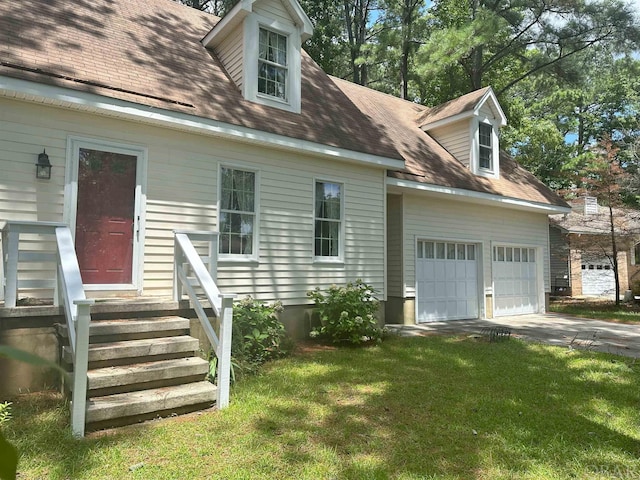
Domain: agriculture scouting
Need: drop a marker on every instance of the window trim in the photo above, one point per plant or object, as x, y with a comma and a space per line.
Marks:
251, 52
494, 171
488, 147
341, 241
70, 205
239, 257
284, 66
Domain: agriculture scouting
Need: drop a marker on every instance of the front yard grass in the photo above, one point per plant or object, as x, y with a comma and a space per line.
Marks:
410, 408
600, 310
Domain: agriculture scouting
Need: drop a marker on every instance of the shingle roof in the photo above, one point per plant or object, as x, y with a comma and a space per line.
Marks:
626, 220
465, 103
428, 162
149, 52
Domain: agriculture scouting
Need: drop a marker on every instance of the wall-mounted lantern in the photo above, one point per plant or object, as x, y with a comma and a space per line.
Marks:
43, 167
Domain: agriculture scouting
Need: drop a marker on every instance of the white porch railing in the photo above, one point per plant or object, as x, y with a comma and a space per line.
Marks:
186, 257
68, 292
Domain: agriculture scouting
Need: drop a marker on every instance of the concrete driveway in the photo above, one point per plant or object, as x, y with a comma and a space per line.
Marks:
550, 328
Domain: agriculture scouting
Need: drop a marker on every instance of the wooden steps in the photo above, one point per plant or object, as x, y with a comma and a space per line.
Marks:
141, 369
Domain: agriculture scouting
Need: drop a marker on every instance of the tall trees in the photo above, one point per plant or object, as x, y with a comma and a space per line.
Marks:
217, 7
478, 38
604, 177
556, 119
561, 68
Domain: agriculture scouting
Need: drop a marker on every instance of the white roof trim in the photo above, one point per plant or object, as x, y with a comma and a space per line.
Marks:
488, 95
90, 102
446, 121
228, 22
478, 197
303, 21
497, 109
244, 8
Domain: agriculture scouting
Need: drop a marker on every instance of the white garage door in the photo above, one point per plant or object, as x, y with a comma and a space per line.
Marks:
598, 278
447, 281
515, 286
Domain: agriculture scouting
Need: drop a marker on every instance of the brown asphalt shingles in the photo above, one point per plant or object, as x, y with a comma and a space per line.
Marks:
149, 52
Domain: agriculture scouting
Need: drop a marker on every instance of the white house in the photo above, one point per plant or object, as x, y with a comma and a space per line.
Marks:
156, 117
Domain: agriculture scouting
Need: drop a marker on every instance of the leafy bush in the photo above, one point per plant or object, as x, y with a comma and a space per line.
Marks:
5, 412
347, 314
258, 335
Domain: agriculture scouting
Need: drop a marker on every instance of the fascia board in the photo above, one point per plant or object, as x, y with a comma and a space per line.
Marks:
296, 10
477, 197
446, 121
230, 21
490, 95
90, 102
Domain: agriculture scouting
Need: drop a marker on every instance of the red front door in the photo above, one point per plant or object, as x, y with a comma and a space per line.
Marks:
105, 216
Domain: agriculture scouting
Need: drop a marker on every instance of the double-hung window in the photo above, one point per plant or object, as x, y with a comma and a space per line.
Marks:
485, 134
328, 220
273, 69
237, 211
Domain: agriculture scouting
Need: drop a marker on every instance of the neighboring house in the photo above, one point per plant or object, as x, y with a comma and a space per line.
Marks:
582, 254
157, 117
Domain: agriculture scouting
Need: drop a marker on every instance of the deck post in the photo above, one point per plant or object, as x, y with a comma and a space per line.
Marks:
224, 350
213, 257
178, 261
80, 367
11, 240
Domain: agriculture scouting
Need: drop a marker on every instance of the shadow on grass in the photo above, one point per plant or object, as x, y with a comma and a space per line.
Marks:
39, 428
456, 408
411, 408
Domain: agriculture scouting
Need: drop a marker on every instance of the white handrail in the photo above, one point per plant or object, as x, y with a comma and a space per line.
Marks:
70, 293
221, 304
70, 288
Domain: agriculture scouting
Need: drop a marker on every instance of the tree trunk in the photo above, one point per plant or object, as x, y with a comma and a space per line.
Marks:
408, 8
614, 249
476, 55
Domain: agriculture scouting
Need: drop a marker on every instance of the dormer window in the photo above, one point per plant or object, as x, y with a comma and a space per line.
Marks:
272, 64
485, 134
468, 128
259, 43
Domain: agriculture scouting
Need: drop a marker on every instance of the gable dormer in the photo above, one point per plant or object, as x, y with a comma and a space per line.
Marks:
259, 45
468, 127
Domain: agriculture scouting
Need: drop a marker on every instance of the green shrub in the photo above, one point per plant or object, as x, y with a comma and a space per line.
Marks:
258, 335
347, 314
5, 412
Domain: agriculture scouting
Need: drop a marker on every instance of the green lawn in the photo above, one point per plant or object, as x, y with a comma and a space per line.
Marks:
411, 408
601, 310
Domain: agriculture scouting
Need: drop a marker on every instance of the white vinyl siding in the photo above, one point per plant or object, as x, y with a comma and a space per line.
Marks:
456, 139
274, 9
22, 196
395, 252
230, 54
182, 194
486, 111
447, 219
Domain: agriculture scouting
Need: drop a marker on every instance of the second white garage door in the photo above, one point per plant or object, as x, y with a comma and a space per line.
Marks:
446, 281
598, 278
515, 284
